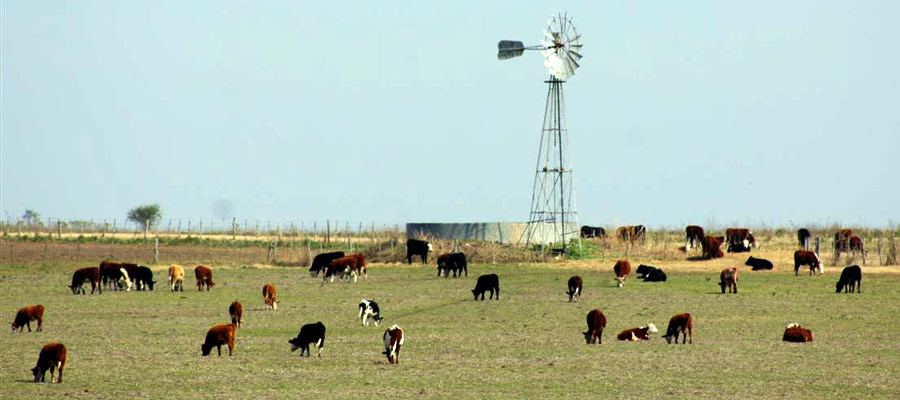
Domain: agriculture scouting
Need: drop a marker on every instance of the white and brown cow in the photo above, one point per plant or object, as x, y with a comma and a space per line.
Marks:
52, 357
728, 278
680, 324
393, 340
176, 278
803, 257
637, 334
794, 333
269, 292
622, 269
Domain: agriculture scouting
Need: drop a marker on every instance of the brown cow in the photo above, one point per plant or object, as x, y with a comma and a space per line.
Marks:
217, 336
52, 357
27, 314
729, 279
575, 284
622, 269
842, 240
857, 246
342, 266
268, 293
443, 263
795, 334
693, 236
204, 277
393, 340
631, 233
803, 257
236, 311
596, 322
637, 334
91, 274
712, 246
680, 324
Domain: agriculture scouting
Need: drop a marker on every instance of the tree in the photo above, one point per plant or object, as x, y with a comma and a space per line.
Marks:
31, 217
146, 216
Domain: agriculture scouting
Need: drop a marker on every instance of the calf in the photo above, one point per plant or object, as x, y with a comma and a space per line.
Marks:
415, 247
217, 336
680, 324
803, 257
575, 286
622, 269
342, 266
850, 280
236, 311
757, 264
637, 334
656, 275
176, 278
321, 261
443, 265
803, 236
643, 270
131, 271
27, 314
487, 283
52, 357
204, 277
369, 308
91, 274
309, 333
795, 334
728, 278
712, 246
393, 340
268, 292
693, 236
588, 232
143, 278
596, 322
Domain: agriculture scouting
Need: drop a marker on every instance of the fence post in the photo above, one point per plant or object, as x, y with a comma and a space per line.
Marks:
58, 229
233, 228
156, 251
327, 232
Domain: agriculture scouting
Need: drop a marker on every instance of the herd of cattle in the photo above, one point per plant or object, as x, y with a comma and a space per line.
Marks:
126, 276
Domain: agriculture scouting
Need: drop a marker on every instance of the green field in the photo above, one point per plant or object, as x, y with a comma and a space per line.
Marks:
526, 345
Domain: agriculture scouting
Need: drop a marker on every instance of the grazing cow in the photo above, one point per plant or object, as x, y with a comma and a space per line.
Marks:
637, 334
803, 257
487, 283
712, 246
217, 336
680, 324
803, 236
27, 314
728, 278
52, 357
91, 274
796, 334
393, 340
575, 284
655, 275
321, 261
693, 236
588, 232
343, 266
596, 322
622, 269
309, 333
143, 278
851, 278
176, 278
455, 262
419, 248
361, 265
115, 274
369, 308
131, 270
204, 277
268, 292
236, 311
757, 264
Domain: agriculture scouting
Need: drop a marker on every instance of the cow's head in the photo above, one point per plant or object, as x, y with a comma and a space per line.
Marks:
14, 326
37, 372
430, 247
295, 343
588, 336
150, 285
74, 289
652, 328
792, 325
204, 349
669, 337
620, 281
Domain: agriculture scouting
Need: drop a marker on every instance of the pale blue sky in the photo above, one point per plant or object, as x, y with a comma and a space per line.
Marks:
744, 112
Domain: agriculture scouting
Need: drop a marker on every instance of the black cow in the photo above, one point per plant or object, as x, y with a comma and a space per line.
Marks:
588, 232
143, 278
487, 283
456, 263
851, 278
757, 264
321, 261
803, 237
420, 248
643, 270
309, 333
657, 275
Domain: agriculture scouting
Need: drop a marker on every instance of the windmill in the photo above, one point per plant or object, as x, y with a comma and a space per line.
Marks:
553, 217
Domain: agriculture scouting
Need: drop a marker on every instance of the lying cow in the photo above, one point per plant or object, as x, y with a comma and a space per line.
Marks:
596, 322
309, 333
851, 277
588, 232
680, 324
794, 333
415, 247
757, 264
693, 236
712, 246
393, 339
637, 334
52, 357
321, 261
650, 274
575, 285
487, 283
622, 269
27, 314
176, 278
269, 292
369, 308
803, 257
728, 278
204, 277
91, 274
236, 312
216, 337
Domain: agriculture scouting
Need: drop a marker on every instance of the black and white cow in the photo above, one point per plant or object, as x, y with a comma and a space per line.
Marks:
415, 247
757, 264
369, 308
644, 270
321, 261
657, 275
143, 278
487, 283
309, 333
588, 232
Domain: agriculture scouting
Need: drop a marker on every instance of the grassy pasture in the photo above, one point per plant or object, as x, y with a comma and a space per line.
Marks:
526, 345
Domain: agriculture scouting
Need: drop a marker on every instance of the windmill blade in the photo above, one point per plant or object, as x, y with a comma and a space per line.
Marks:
510, 45
507, 54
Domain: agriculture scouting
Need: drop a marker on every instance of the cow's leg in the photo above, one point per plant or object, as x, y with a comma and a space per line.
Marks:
59, 373
28, 325
219, 348
40, 327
